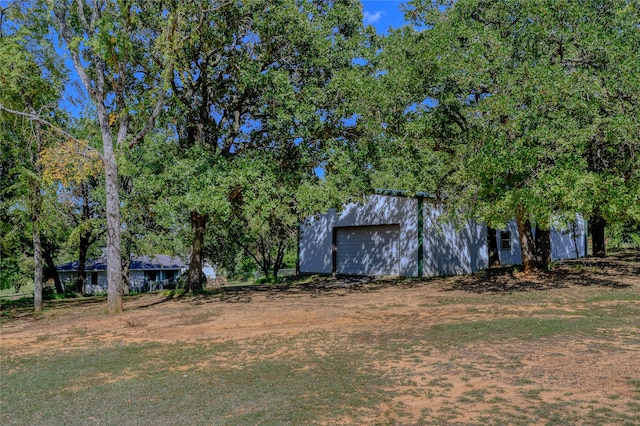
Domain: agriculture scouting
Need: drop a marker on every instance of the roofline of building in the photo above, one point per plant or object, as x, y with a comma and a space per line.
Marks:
131, 269
402, 193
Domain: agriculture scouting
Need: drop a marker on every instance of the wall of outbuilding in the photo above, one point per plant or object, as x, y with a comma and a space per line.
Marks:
568, 241
512, 255
315, 252
451, 249
447, 249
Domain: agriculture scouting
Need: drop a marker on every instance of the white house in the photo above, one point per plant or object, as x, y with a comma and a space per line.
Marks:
392, 234
145, 273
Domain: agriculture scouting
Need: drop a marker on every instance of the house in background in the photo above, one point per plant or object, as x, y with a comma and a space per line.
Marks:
392, 234
146, 273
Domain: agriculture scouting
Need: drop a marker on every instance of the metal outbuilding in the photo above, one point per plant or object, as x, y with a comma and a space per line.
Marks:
397, 235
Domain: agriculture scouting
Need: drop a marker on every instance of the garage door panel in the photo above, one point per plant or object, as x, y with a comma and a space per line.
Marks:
371, 250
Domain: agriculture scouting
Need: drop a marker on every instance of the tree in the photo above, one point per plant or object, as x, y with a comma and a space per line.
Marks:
268, 204
54, 234
600, 42
143, 183
121, 52
74, 166
259, 74
86, 218
31, 85
499, 112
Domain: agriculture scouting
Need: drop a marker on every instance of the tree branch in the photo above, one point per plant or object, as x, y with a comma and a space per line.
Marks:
38, 119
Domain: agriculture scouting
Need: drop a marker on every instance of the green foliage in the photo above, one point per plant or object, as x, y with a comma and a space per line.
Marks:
122, 55
290, 257
244, 268
495, 107
31, 77
49, 293
17, 270
267, 212
541, 123
624, 236
261, 99
268, 280
152, 218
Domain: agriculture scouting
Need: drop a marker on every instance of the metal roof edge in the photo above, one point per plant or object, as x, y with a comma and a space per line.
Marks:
138, 263
402, 193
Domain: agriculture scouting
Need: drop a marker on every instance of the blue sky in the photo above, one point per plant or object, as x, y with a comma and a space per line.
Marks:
383, 14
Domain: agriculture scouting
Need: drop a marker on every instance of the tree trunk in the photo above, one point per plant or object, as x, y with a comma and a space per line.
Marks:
125, 275
35, 220
85, 240
263, 257
126, 262
277, 264
527, 244
82, 261
37, 264
597, 225
543, 248
494, 254
198, 227
50, 270
114, 264
264, 267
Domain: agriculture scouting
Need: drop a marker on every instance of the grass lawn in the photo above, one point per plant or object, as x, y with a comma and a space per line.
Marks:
557, 349
11, 292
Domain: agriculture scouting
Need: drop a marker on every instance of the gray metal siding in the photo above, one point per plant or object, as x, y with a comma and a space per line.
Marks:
448, 249
512, 255
451, 250
568, 240
370, 250
316, 233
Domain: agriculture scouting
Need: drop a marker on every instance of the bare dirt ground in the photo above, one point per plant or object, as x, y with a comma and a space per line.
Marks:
464, 382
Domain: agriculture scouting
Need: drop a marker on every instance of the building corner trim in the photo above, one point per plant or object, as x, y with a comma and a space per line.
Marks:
420, 237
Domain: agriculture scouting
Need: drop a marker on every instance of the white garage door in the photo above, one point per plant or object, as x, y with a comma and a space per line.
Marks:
368, 250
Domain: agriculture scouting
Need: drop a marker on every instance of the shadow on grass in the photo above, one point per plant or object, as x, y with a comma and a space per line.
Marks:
169, 297
23, 308
577, 272
339, 285
586, 272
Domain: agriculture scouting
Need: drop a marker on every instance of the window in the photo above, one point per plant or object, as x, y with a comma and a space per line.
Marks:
169, 275
151, 275
94, 278
505, 240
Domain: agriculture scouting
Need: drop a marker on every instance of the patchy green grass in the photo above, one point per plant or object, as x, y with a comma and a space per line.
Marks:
251, 382
591, 322
185, 384
487, 359
11, 292
8, 305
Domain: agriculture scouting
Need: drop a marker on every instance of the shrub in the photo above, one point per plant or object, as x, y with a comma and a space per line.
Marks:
268, 280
